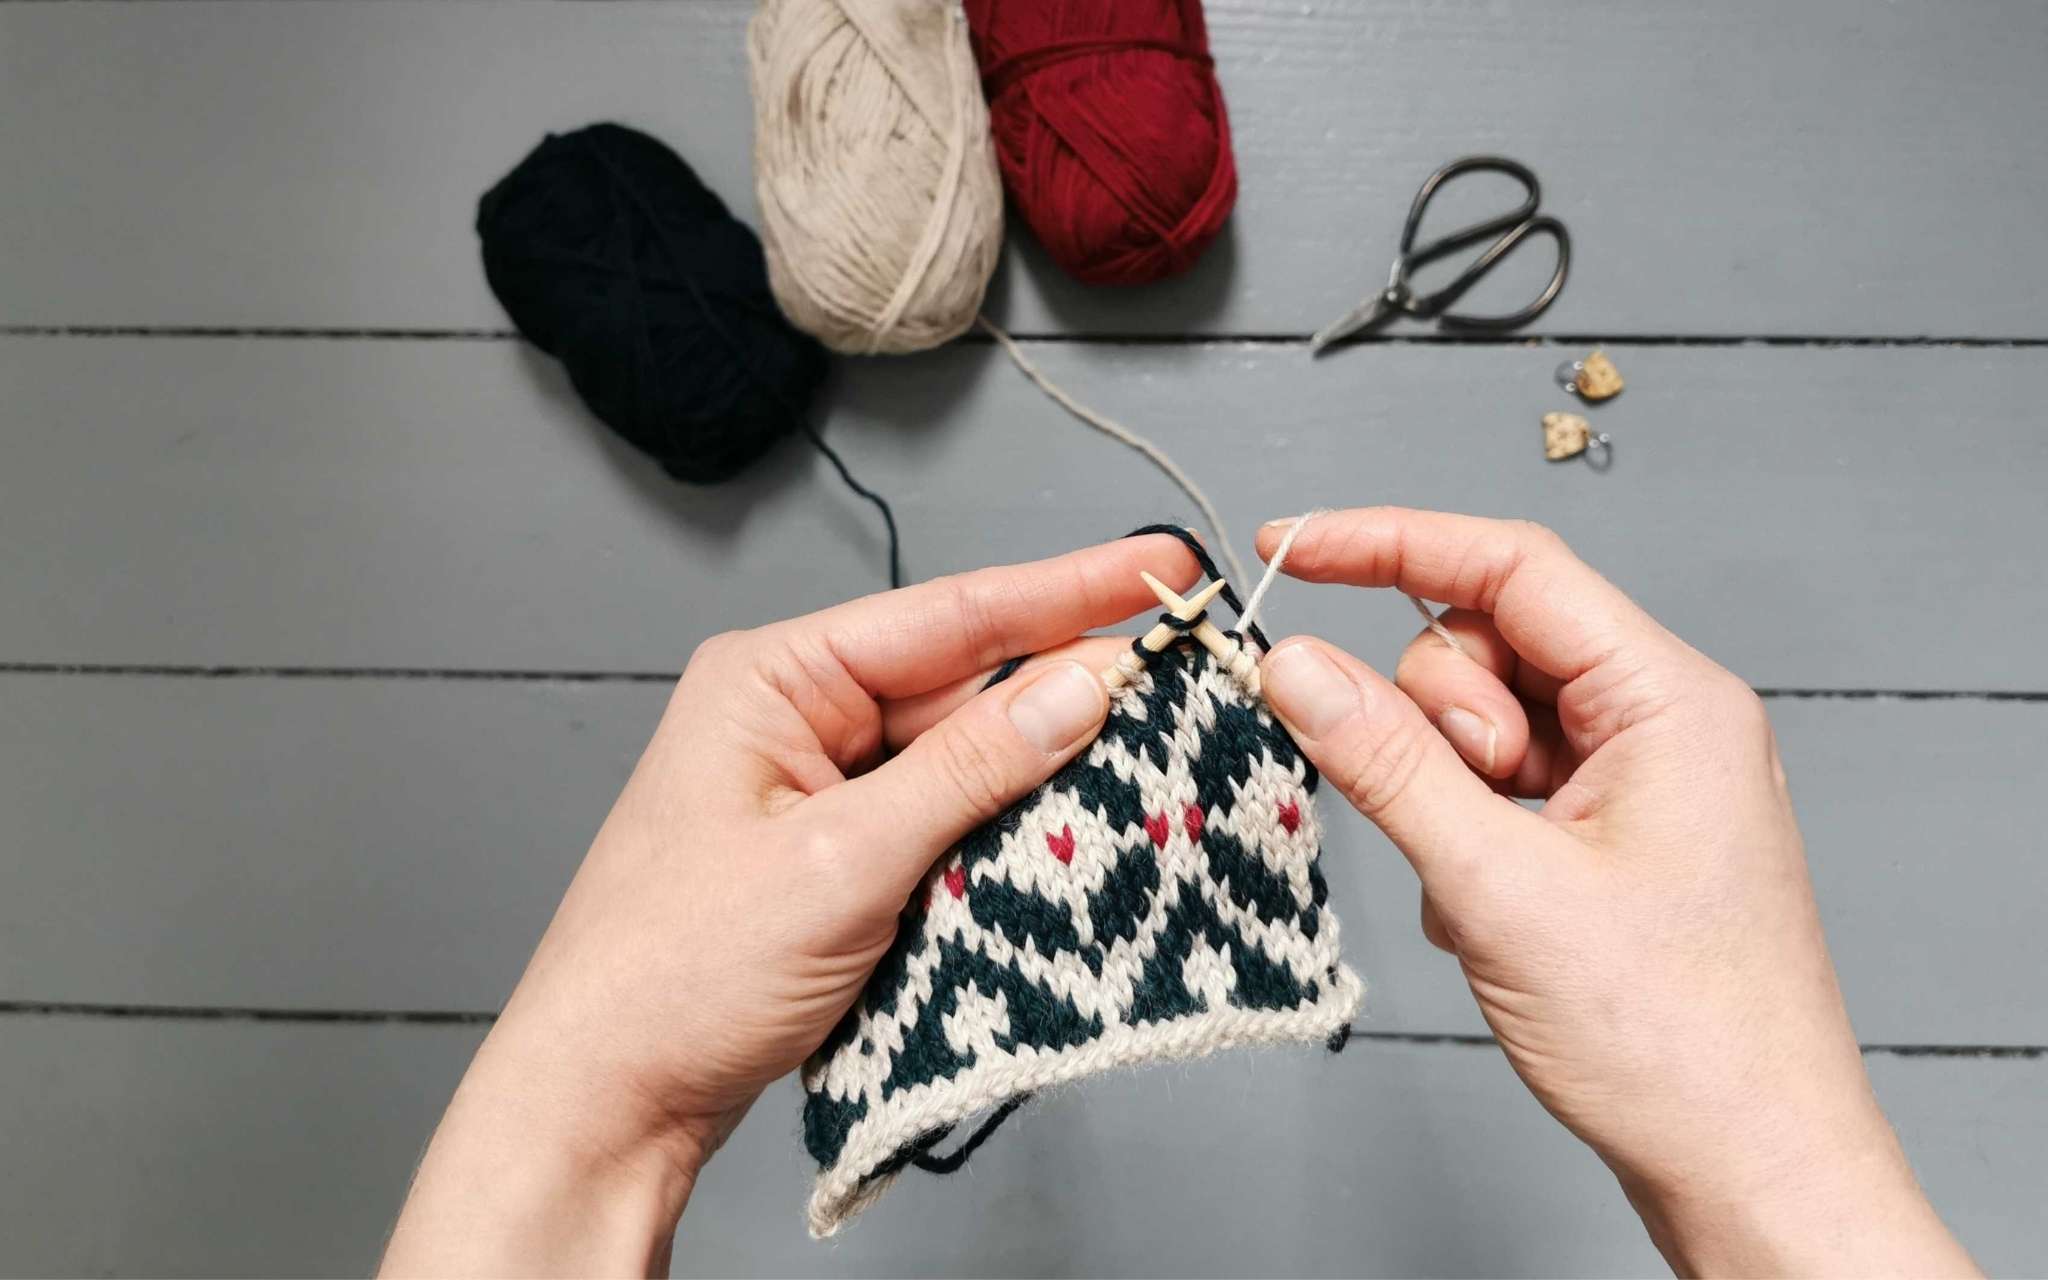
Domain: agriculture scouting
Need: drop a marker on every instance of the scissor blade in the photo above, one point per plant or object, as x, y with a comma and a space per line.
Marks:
1363, 316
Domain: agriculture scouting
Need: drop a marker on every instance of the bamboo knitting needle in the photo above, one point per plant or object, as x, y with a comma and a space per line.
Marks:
1128, 667
1230, 652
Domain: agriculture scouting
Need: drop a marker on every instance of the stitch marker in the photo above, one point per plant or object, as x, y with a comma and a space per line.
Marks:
1128, 665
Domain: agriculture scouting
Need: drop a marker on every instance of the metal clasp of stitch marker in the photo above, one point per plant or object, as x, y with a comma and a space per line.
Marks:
1592, 379
1567, 435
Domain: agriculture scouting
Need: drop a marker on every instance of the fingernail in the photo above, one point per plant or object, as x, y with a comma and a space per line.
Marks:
1475, 739
1060, 707
1308, 690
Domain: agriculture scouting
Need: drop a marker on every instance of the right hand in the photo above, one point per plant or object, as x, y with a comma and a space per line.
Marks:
1645, 946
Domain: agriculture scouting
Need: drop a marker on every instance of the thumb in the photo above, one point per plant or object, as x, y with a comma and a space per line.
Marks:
967, 768
1374, 744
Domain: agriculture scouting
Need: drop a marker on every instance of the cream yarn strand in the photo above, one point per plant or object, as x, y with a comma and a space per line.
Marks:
881, 208
1122, 434
1258, 597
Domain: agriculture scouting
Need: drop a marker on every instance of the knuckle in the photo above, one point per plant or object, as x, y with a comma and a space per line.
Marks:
1540, 537
1486, 563
711, 664
717, 651
1423, 664
818, 849
1407, 667
1624, 691
974, 772
1744, 710
1377, 774
972, 615
830, 871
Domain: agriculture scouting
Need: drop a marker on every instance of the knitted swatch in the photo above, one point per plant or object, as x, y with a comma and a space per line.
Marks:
1159, 898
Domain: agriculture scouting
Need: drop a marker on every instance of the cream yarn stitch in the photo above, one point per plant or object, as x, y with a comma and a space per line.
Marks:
881, 208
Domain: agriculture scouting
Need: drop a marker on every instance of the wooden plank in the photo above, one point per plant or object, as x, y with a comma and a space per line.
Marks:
1838, 518
380, 844
142, 1147
1746, 167
243, 1148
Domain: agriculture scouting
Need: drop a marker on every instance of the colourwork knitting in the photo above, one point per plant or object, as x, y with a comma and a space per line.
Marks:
1159, 898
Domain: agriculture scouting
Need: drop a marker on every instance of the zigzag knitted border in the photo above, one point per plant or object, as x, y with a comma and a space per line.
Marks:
1183, 870
845, 1189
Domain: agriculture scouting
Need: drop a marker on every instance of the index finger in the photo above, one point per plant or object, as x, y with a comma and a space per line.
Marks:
1559, 614
901, 643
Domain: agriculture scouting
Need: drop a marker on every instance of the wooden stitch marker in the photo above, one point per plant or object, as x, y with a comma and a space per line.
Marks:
1128, 665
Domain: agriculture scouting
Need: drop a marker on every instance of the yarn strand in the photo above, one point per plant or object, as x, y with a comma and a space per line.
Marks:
1123, 435
955, 1161
1436, 625
881, 503
1248, 616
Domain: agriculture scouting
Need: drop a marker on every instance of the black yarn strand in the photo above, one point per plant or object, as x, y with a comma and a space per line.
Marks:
881, 503
1202, 557
1208, 563
954, 1161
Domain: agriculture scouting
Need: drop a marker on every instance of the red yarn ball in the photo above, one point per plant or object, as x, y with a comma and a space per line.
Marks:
1110, 130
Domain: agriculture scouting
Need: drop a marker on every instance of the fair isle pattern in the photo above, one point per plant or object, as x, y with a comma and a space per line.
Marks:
1159, 898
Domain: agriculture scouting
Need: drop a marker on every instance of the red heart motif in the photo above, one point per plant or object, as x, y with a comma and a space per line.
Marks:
1290, 816
956, 881
1062, 845
1191, 822
1155, 826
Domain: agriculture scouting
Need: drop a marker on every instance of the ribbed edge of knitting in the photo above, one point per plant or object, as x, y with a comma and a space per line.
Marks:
849, 1185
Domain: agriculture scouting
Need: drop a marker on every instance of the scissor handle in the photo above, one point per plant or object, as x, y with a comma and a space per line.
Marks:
1517, 224
1478, 231
1514, 319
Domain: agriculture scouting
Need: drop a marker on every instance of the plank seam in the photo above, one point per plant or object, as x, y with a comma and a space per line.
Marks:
467, 1018
178, 671
1107, 338
243, 1013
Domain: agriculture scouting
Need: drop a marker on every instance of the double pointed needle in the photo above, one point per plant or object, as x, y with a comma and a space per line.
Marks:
1228, 651
1128, 667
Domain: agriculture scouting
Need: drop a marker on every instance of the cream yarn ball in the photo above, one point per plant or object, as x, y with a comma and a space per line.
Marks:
881, 207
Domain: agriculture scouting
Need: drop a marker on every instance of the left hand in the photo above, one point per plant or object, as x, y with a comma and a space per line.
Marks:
748, 879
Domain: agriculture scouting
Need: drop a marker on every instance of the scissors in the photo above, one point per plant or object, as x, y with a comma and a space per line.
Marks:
1513, 227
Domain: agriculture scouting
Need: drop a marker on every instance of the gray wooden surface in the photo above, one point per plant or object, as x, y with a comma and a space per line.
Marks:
1831, 167
1813, 518
386, 844
251, 1148
329, 623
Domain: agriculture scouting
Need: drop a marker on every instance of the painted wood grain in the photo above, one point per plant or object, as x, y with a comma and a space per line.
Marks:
1846, 518
379, 844
1832, 518
239, 1148
1739, 168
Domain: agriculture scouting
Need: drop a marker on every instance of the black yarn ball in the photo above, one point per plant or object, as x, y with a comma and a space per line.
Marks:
612, 256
